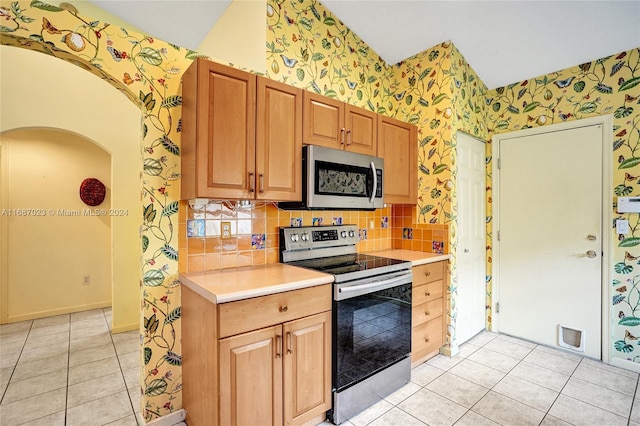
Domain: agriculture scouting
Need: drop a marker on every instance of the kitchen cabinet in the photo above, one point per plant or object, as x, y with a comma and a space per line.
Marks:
428, 308
241, 135
398, 145
334, 124
265, 360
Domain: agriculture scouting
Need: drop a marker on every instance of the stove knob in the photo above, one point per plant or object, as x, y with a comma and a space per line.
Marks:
343, 234
352, 234
305, 237
294, 237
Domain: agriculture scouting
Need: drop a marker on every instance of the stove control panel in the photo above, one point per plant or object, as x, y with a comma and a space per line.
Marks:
313, 237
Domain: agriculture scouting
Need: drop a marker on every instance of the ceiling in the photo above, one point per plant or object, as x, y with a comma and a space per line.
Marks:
504, 41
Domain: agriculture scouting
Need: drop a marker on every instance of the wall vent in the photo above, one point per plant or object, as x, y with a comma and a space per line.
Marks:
571, 338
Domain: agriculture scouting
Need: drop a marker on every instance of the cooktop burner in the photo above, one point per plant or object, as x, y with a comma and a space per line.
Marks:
346, 263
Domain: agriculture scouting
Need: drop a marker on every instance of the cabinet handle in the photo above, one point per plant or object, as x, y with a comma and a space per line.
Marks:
342, 136
426, 340
261, 176
252, 186
284, 308
278, 346
349, 137
289, 343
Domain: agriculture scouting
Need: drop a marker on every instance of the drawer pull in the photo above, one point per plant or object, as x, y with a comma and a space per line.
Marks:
426, 340
427, 293
427, 273
427, 313
284, 308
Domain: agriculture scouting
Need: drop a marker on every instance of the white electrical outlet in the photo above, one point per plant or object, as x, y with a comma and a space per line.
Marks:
225, 229
86, 279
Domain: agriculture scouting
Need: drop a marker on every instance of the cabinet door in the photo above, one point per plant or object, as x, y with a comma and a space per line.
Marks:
224, 131
323, 121
362, 130
278, 141
398, 145
251, 378
307, 368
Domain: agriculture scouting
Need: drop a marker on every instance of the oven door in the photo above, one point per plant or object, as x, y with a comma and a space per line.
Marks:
372, 328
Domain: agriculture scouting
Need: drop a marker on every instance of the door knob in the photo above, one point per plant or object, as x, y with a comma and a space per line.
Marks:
591, 237
591, 254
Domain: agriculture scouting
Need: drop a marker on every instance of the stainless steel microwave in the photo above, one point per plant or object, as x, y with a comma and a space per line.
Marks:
339, 180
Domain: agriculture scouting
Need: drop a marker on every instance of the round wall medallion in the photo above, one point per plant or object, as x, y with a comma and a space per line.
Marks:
92, 191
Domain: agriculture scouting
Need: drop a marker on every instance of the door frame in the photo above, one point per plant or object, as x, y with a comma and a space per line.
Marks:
606, 121
484, 210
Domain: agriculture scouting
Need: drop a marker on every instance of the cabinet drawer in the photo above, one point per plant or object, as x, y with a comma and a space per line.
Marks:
259, 312
425, 293
426, 339
428, 272
426, 311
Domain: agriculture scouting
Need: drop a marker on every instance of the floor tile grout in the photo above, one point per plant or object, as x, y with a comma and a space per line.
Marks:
546, 413
86, 321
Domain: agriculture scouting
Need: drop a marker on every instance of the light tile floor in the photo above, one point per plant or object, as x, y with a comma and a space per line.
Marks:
499, 380
69, 370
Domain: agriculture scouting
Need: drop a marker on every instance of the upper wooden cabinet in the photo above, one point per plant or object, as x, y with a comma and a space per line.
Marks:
334, 124
241, 135
398, 145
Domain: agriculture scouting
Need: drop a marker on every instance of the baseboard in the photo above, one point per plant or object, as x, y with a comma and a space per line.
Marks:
60, 311
123, 328
626, 364
170, 419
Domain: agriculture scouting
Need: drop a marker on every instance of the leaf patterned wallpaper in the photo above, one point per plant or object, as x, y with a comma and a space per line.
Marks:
310, 48
609, 85
148, 72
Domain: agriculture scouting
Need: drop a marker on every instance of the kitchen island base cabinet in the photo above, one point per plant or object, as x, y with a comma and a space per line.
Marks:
428, 322
278, 374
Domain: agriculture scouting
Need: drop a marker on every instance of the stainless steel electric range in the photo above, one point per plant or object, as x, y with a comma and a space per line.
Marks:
371, 314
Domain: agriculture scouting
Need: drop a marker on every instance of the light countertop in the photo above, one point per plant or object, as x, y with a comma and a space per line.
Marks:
233, 284
415, 257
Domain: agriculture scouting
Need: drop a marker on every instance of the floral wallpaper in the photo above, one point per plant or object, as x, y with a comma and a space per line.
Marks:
609, 85
308, 47
148, 72
436, 90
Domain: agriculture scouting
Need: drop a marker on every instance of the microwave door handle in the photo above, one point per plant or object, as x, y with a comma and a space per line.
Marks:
375, 183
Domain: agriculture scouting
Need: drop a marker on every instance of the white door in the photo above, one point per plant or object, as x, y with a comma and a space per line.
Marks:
471, 253
550, 237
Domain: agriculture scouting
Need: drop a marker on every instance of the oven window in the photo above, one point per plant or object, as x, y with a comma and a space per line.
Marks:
341, 179
373, 332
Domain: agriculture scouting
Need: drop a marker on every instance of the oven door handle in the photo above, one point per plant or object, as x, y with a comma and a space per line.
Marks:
348, 292
375, 182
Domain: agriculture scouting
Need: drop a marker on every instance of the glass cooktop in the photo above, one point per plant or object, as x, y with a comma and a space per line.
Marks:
351, 263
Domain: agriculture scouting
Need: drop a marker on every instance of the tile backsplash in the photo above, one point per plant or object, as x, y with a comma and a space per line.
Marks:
254, 232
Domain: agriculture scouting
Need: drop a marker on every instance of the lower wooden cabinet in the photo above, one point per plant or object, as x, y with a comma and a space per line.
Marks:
279, 374
428, 324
